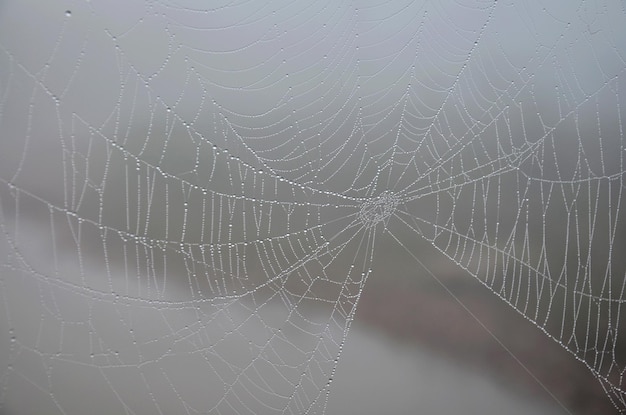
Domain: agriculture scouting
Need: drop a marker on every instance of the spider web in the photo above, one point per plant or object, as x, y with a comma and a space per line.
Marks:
196, 190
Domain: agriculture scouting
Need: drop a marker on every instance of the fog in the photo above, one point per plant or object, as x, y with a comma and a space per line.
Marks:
191, 220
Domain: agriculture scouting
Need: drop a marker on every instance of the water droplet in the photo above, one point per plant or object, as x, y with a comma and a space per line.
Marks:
68, 13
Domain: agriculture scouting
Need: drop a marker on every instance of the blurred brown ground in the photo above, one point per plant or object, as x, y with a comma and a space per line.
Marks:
427, 315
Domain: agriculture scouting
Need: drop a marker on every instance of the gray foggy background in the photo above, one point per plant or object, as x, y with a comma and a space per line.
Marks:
152, 155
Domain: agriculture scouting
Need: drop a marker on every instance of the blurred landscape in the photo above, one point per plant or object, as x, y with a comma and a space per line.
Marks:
425, 315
